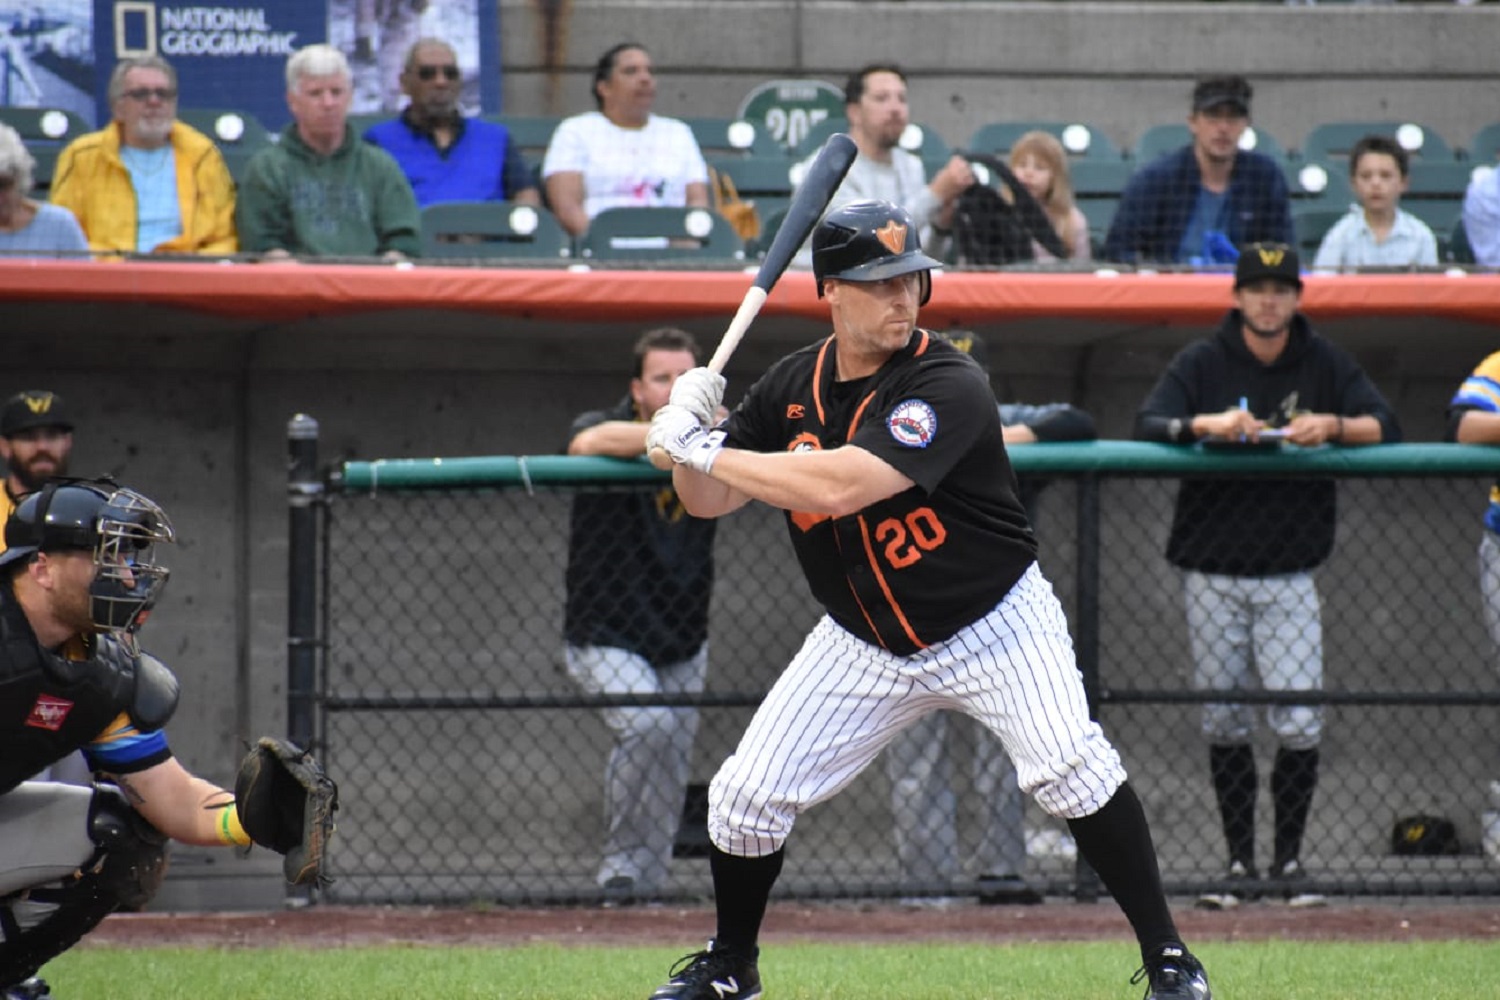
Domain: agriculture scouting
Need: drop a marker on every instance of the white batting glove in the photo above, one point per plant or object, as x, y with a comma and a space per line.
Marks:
701, 391
676, 431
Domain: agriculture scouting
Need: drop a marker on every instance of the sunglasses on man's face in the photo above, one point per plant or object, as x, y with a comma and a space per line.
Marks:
144, 94
429, 73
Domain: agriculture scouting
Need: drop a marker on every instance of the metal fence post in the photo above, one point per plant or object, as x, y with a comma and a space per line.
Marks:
1086, 881
304, 490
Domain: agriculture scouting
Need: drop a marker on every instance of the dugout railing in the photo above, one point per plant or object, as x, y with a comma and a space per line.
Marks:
425, 650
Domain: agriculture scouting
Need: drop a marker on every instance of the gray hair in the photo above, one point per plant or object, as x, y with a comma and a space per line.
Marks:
117, 78
429, 42
15, 161
316, 60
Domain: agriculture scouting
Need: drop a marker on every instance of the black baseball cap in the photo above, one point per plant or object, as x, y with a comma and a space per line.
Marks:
1215, 91
1262, 261
34, 408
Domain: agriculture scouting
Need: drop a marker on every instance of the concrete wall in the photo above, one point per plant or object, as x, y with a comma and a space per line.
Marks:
1120, 66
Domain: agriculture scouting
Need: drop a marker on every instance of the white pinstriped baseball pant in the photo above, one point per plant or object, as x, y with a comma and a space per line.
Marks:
841, 700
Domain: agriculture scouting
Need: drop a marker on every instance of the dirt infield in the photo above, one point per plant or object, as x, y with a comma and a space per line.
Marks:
333, 926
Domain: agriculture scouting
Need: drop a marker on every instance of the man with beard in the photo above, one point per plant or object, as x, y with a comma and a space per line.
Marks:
876, 106
1196, 204
1247, 547
446, 156
36, 438
147, 183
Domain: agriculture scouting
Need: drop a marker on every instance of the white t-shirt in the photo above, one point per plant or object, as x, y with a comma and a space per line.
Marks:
652, 165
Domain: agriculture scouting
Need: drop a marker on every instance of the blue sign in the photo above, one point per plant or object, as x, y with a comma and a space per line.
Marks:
227, 55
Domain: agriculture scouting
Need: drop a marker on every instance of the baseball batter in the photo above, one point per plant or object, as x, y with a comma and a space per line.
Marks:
884, 447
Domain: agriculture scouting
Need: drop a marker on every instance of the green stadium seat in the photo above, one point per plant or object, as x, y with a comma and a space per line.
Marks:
758, 176
46, 127
1458, 250
492, 229
238, 134
918, 139
725, 138
1159, 139
1333, 140
643, 234
1311, 225
1322, 185
1083, 142
532, 133
1485, 146
362, 122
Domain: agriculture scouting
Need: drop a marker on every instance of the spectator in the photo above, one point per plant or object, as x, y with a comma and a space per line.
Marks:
639, 577
147, 183
1196, 205
1377, 232
876, 106
446, 156
923, 805
30, 228
1247, 548
1039, 161
622, 154
320, 190
1482, 216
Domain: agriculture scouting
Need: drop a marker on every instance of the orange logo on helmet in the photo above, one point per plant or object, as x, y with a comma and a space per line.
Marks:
892, 235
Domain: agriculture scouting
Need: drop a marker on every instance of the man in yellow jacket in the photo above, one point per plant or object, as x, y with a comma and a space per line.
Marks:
147, 183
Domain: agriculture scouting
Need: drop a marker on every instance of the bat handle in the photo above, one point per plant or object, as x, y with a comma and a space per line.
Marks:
743, 317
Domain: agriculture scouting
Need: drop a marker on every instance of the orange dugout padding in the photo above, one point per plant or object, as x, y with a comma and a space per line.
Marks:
298, 291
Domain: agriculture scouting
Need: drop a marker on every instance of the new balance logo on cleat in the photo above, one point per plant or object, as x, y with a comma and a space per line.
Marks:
730, 988
711, 975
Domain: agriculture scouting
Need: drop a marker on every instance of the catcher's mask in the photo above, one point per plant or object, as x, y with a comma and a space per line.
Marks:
118, 525
870, 241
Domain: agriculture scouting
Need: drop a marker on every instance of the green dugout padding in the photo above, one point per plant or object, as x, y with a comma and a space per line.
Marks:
1123, 458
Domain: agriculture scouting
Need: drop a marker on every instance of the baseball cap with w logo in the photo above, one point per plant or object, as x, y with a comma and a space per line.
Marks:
33, 408
1268, 261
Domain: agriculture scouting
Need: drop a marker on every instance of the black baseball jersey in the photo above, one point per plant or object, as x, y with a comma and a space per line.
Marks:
640, 568
914, 568
52, 704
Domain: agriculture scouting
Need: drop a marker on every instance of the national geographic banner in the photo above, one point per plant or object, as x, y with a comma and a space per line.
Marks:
233, 54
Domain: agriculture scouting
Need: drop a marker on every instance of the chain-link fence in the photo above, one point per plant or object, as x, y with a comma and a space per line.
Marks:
475, 766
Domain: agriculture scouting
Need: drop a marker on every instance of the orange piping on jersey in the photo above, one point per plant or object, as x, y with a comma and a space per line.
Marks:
864, 533
923, 344
858, 412
855, 594
818, 381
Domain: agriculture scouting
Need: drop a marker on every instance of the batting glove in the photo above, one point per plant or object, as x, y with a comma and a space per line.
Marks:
701, 391
676, 430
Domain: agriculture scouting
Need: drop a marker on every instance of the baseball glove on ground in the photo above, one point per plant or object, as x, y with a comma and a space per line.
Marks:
286, 802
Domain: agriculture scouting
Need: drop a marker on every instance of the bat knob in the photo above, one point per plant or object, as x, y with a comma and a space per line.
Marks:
660, 458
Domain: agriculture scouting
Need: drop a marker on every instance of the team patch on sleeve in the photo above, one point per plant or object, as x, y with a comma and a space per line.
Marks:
912, 423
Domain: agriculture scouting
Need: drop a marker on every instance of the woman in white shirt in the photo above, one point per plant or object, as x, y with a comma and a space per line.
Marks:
622, 154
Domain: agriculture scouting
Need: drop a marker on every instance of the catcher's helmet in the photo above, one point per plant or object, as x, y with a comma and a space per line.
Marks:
869, 241
118, 525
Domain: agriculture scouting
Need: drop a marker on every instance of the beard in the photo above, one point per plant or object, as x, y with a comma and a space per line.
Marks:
156, 131
33, 478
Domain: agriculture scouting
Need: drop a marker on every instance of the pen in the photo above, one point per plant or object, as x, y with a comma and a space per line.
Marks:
1244, 405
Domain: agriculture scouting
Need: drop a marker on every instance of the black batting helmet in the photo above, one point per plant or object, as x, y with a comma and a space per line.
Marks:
869, 241
117, 525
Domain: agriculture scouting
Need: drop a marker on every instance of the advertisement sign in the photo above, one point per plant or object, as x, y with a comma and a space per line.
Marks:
47, 55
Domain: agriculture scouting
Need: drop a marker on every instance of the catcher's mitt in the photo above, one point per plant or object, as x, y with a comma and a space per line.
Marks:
286, 802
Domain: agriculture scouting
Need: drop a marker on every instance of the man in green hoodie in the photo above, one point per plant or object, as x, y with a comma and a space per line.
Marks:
320, 190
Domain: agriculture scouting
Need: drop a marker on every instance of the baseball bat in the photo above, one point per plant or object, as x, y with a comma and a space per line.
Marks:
824, 176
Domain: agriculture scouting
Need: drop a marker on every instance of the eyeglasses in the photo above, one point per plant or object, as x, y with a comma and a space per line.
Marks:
144, 94
6, 183
429, 73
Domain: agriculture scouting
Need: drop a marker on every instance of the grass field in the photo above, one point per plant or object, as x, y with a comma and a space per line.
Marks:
1426, 970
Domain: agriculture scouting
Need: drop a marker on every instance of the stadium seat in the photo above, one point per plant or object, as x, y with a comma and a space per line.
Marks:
238, 134
661, 233
757, 176
1312, 224
725, 138
1331, 141
362, 122
532, 133
491, 229
1159, 139
1083, 142
1458, 249
1320, 185
45, 127
1485, 146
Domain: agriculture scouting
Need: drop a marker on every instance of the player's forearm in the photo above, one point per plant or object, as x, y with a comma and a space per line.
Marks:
839, 481
179, 804
616, 438
1478, 427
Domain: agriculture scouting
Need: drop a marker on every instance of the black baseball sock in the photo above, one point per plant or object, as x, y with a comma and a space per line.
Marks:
1116, 841
1293, 780
742, 887
1233, 770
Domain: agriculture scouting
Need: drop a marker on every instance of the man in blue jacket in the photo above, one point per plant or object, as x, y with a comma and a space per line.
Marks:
446, 156
1195, 205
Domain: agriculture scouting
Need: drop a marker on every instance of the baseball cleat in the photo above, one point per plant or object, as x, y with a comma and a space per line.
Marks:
1242, 886
1174, 974
31, 989
1298, 892
715, 974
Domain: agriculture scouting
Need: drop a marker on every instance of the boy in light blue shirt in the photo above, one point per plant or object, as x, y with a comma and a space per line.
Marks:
1377, 232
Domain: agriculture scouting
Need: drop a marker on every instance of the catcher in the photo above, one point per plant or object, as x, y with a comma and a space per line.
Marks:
77, 579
